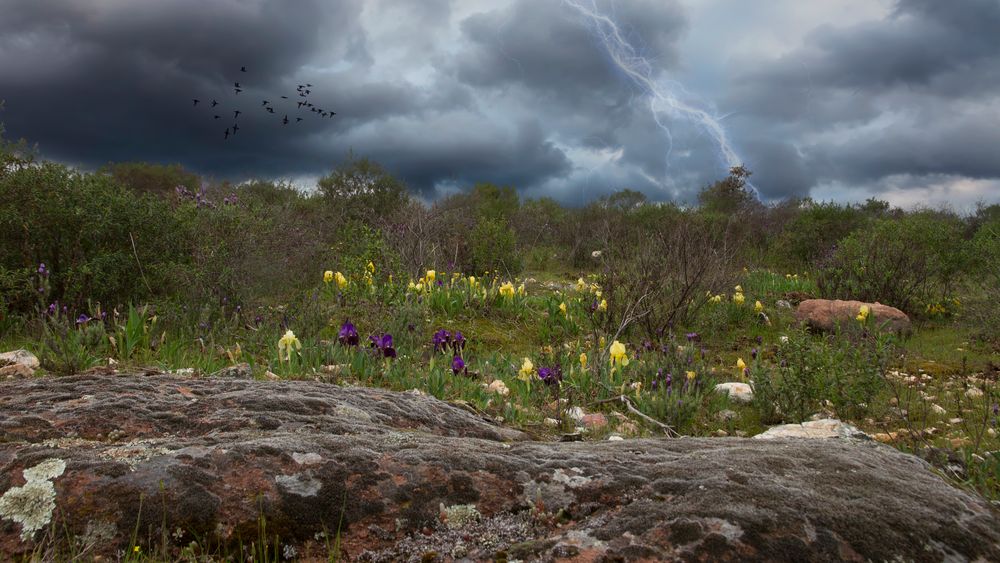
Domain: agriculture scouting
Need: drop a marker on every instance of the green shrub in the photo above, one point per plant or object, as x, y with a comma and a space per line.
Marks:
902, 262
100, 241
493, 247
843, 372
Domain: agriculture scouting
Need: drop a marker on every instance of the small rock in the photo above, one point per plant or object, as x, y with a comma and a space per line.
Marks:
629, 428
575, 413
550, 422
937, 409
239, 371
720, 433
974, 392
271, 376
955, 421
782, 304
184, 372
826, 428
615, 438
886, 437
334, 369
498, 387
19, 357
593, 421
739, 392
16, 371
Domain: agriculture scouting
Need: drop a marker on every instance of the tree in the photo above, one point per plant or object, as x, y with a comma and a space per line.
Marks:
363, 189
730, 195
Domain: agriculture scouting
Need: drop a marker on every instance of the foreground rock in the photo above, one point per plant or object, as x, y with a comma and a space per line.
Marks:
739, 392
824, 428
829, 315
406, 477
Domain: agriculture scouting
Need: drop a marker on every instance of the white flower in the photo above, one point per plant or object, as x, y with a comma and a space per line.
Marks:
595, 254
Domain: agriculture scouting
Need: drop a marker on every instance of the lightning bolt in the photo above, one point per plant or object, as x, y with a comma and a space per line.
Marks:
663, 102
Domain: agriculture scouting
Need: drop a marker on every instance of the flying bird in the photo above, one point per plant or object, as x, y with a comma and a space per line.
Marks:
218, 117
270, 109
236, 84
214, 103
285, 121
284, 97
308, 85
227, 134
298, 119
237, 90
236, 113
235, 128
264, 104
195, 101
243, 69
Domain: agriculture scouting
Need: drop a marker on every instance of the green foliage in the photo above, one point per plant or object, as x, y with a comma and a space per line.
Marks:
815, 231
100, 241
842, 372
728, 196
903, 262
363, 190
155, 179
493, 247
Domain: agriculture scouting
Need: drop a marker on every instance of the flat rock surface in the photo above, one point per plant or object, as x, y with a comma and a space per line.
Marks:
406, 477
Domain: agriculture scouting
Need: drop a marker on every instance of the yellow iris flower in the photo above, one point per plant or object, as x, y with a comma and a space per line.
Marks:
527, 368
738, 298
341, 280
618, 355
328, 276
286, 344
583, 360
758, 307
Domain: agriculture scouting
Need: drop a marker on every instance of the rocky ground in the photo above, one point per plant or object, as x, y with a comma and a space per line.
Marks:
170, 460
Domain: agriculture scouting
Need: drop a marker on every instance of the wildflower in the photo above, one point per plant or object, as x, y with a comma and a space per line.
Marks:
507, 289
758, 307
53, 308
458, 365
740, 364
383, 343
595, 254
341, 280
136, 549
441, 339
42, 269
82, 319
472, 281
863, 313
753, 353
691, 375
603, 306
348, 335
638, 388
715, 299
521, 291
693, 337
287, 343
328, 276
738, 289
371, 267
562, 307
550, 376
602, 342
788, 276
458, 343
738, 298
583, 360
527, 368
581, 285
431, 275
618, 356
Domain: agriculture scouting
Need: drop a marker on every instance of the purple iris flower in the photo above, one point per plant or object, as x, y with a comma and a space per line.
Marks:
42, 269
550, 376
668, 381
348, 335
383, 343
441, 339
458, 343
53, 308
457, 365
753, 353
693, 337
82, 319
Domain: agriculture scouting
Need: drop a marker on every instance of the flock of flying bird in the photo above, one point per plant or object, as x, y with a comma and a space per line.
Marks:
303, 91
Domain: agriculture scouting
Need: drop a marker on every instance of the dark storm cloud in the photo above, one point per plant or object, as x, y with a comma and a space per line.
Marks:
911, 94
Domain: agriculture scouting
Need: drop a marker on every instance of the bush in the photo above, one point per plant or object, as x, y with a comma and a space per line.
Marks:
492, 246
99, 240
900, 262
845, 370
983, 307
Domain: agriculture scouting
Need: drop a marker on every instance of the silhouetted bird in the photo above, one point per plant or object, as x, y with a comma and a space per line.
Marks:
237, 90
236, 84
333, 113
195, 101
264, 104
284, 97
227, 134
285, 121
309, 85
270, 109
218, 117
300, 105
235, 128
236, 113
214, 103
243, 69
308, 91
298, 119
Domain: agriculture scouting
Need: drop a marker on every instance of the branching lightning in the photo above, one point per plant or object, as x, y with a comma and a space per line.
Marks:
663, 102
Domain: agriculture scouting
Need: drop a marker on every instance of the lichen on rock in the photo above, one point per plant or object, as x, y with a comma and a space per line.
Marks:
31, 505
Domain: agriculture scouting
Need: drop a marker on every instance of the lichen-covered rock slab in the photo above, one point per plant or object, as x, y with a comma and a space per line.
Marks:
403, 476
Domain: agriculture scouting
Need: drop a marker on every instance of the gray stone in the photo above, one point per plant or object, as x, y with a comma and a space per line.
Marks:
428, 477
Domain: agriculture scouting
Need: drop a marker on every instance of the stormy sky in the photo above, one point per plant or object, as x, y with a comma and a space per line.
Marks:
838, 100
